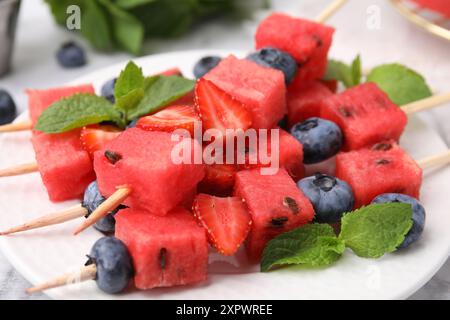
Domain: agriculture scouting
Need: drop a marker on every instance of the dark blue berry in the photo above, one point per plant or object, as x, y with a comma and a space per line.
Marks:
205, 64
330, 196
276, 59
7, 108
107, 90
321, 139
92, 199
114, 266
418, 215
71, 55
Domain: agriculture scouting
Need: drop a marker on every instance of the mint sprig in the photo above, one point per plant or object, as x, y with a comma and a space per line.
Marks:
402, 84
370, 232
349, 75
135, 96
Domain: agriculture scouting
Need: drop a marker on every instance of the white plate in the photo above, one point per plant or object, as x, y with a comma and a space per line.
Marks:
41, 254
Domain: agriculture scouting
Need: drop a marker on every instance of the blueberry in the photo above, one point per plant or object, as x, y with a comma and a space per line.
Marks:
277, 59
7, 108
330, 196
205, 64
92, 199
418, 215
321, 139
114, 266
71, 55
107, 90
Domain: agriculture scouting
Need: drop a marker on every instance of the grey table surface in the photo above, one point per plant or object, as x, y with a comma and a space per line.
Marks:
369, 27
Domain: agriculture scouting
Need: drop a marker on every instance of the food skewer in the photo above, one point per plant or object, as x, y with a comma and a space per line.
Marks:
409, 109
17, 126
330, 10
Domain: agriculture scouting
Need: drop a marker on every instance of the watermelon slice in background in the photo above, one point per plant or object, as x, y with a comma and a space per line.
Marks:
39, 100
365, 115
166, 251
384, 168
64, 165
275, 204
262, 90
440, 6
306, 41
146, 166
304, 101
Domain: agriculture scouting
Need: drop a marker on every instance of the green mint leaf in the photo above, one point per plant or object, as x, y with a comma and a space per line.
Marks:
95, 26
376, 229
310, 245
129, 88
77, 111
402, 85
128, 4
349, 75
128, 31
159, 91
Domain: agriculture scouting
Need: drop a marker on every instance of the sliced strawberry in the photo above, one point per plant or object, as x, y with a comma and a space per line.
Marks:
219, 179
226, 220
171, 72
170, 119
218, 109
94, 138
187, 99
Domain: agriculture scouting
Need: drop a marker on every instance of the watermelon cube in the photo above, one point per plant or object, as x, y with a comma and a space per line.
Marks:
262, 90
365, 115
166, 251
275, 204
383, 168
304, 101
290, 155
306, 41
39, 100
158, 182
65, 167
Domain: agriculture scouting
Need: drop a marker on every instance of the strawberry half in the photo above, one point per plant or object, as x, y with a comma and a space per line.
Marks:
94, 138
218, 109
219, 179
226, 220
170, 119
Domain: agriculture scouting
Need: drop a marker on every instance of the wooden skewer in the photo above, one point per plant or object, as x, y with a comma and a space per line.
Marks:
105, 208
330, 10
86, 273
426, 103
17, 126
436, 160
77, 211
19, 170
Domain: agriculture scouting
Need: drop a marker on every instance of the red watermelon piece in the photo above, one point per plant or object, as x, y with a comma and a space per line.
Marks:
383, 168
275, 204
166, 251
306, 41
39, 100
304, 101
158, 183
365, 115
65, 167
290, 155
440, 6
262, 90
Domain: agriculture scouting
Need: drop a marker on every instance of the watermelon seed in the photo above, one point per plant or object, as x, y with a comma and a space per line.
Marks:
279, 222
345, 111
291, 204
163, 258
318, 40
112, 156
382, 146
382, 161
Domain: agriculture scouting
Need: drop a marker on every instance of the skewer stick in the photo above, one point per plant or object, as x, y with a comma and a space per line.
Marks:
17, 126
86, 273
105, 208
77, 211
436, 160
330, 10
19, 170
427, 103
